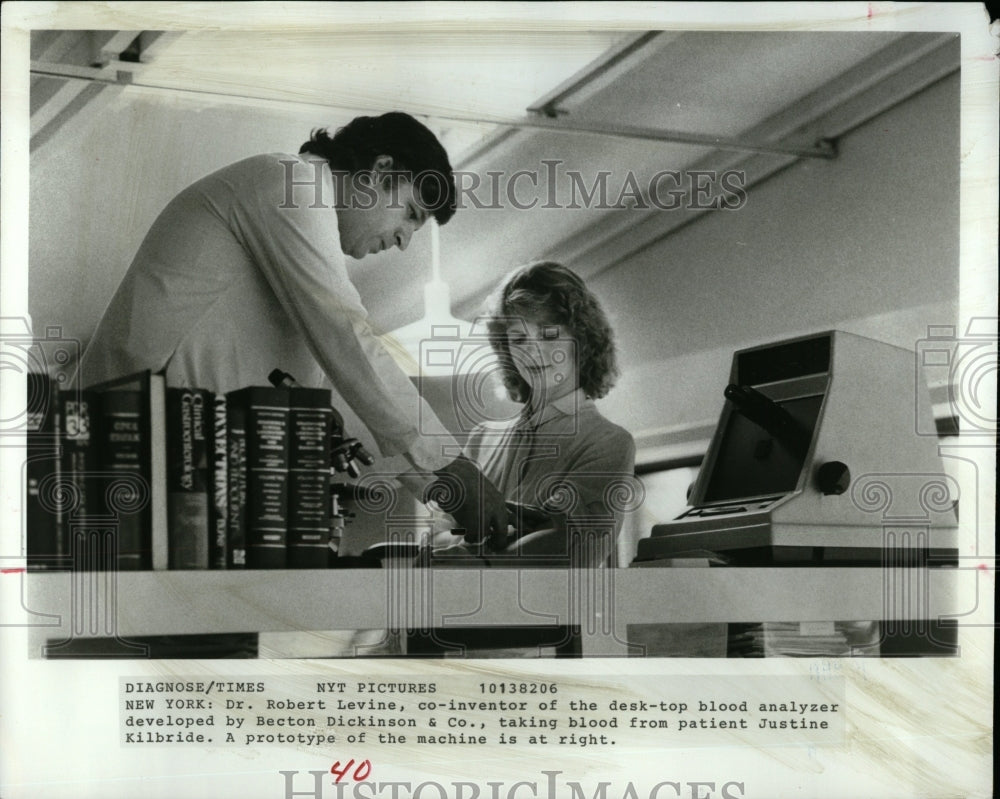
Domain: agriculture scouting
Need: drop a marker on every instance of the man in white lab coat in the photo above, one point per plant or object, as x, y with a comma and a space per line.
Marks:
244, 271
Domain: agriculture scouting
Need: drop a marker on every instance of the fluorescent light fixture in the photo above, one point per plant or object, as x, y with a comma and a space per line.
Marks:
439, 344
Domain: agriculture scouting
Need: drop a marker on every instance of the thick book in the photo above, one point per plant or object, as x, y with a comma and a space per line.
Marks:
219, 509
131, 441
79, 472
46, 541
190, 496
267, 447
309, 510
236, 483
120, 448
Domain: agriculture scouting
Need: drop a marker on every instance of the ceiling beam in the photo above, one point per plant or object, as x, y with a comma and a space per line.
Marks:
113, 72
629, 53
49, 45
821, 148
607, 68
112, 48
56, 104
152, 43
84, 83
94, 97
891, 76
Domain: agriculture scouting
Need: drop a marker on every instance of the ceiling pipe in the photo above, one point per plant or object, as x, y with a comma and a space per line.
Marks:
549, 118
606, 68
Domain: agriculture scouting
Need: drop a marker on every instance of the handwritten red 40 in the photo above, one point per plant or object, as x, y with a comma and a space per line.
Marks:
362, 771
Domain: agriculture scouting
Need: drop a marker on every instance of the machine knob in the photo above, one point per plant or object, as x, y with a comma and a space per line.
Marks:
833, 477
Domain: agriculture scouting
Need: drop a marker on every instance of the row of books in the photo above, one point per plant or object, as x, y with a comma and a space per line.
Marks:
759, 639
177, 478
804, 639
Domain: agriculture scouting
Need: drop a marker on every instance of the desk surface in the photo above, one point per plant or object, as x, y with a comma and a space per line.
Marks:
601, 601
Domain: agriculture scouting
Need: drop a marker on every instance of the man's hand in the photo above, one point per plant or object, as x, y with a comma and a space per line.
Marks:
462, 490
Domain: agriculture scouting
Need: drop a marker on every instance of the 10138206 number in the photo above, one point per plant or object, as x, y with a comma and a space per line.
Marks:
518, 688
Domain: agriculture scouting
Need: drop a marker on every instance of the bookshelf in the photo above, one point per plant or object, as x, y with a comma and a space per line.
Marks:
602, 603
187, 602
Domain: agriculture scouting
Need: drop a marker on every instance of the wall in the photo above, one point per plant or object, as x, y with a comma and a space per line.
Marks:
867, 242
97, 187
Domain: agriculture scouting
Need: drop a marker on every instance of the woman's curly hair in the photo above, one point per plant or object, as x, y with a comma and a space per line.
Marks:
551, 293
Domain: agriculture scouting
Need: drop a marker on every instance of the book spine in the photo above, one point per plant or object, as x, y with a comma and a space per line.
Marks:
236, 484
267, 478
187, 477
46, 541
220, 489
309, 519
78, 415
156, 452
122, 452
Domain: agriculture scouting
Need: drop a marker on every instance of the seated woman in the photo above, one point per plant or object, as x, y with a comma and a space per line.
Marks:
565, 469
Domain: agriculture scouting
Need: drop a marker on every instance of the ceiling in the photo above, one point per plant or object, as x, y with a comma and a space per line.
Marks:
626, 104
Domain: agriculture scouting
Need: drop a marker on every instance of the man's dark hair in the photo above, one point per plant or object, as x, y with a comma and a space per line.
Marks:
414, 150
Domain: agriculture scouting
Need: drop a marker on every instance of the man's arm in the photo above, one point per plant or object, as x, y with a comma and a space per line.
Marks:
297, 248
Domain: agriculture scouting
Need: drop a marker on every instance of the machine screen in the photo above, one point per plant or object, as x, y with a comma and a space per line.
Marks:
751, 462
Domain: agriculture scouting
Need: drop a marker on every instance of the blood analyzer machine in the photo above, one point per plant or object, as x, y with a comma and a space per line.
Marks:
819, 457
